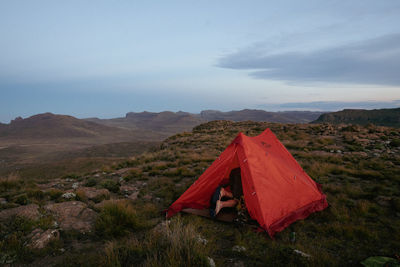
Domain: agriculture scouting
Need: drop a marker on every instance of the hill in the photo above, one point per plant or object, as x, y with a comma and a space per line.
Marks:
52, 126
261, 115
165, 123
48, 137
357, 166
383, 117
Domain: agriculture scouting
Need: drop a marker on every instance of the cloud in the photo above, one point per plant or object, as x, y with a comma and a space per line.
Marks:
374, 61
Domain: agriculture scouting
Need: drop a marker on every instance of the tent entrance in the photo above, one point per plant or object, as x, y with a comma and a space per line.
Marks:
226, 214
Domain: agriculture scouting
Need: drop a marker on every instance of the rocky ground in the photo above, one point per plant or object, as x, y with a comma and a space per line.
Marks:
108, 216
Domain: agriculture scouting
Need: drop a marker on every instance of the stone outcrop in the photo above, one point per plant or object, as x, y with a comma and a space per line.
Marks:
40, 238
29, 211
73, 215
93, 193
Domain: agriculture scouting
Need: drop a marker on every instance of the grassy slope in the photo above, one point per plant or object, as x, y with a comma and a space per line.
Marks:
359, 168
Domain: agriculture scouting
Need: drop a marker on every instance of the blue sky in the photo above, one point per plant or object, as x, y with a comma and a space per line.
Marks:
106, 58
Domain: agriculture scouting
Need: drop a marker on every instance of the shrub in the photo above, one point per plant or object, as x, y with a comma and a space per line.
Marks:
80, 196
175, 244
22, 199
55, 194
111, 185
91, 182
134, 173
12, 239
11, 181
36, 194
117, 219
395, 143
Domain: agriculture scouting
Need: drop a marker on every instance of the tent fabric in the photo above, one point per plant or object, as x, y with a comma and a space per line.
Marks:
277, 191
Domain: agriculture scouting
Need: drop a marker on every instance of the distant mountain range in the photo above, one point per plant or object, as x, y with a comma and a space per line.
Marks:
49, 137
382, 117
173, 122
261, 115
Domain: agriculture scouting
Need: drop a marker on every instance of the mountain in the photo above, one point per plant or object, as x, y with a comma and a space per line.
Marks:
165, 123
382, 117
261, 115
169, 123
49, 137
48, 125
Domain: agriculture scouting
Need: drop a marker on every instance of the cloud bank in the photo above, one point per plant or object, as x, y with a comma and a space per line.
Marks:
374, 61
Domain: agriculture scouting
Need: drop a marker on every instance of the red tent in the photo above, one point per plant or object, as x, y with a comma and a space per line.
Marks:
277, 191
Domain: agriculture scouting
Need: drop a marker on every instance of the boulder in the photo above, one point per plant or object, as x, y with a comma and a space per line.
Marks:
75, 185
69, 195
73, 215
40, 238
238, 248
30, 211
93, 193
127, 189
133, 196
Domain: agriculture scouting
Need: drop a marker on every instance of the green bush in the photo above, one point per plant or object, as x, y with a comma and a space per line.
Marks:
395, 143
55, 194
36, 194
117, 219
175, 244
111, 185
12, 181
91, 182
12, 239
22, 199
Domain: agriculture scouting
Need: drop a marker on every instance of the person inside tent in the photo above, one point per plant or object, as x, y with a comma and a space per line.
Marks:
228, 195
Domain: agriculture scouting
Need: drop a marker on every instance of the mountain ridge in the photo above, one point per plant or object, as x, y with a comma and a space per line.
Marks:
381, 117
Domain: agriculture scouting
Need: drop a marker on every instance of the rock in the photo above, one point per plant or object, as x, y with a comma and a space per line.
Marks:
93, 193
362, 154
383, 200
238, 248
301, 253
3, 201
162, 226
68, 195
127, 189
30, 211
134, 195
147, 197
73, 215
211, 262
238, 264
40, 238
75, 185
53, 184
202, 240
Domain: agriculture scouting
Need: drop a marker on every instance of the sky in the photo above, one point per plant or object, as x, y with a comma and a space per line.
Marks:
106, 58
